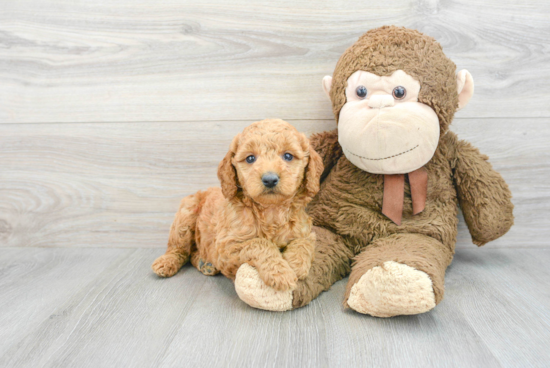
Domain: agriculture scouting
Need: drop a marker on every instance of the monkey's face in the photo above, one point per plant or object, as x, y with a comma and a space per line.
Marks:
383, 128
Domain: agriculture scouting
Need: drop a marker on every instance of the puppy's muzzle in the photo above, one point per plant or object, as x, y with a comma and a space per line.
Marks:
270, 179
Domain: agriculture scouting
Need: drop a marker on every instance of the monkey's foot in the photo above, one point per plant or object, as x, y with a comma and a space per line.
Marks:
392, 289
254, 292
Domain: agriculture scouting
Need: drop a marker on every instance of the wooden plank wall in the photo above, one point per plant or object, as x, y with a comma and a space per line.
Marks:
110, 112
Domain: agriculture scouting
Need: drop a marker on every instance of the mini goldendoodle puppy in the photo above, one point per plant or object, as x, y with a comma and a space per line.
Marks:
258, 216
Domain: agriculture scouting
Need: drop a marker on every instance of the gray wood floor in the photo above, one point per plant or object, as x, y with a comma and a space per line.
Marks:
105, 308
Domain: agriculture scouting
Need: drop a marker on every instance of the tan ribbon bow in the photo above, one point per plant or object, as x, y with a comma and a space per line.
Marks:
394, 193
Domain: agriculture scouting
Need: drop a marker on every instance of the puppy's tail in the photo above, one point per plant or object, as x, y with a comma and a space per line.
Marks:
182, 237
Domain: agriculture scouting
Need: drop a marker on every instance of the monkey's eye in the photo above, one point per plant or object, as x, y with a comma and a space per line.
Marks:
399, 93
361, 91
288, 157
250, 159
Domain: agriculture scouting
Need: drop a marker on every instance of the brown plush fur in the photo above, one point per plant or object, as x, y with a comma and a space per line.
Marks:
347, 209
250, 223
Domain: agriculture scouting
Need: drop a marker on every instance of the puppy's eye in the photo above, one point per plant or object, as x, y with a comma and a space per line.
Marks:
288, 157
399, 93
250, 159
361, 91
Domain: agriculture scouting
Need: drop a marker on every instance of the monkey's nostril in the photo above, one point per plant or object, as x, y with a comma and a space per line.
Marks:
270, 179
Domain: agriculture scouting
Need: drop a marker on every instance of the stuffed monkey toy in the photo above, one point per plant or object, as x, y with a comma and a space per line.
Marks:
394, 176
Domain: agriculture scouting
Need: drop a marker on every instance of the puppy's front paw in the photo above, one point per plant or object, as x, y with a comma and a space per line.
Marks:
167, 265
278, 275
300, 265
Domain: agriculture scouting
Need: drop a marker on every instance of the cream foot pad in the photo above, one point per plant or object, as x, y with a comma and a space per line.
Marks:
254, 292
391, 290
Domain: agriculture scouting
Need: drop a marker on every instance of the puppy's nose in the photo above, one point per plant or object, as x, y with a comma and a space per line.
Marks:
270, 179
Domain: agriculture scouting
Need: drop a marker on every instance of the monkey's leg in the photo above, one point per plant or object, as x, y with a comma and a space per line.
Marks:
330, 264
398, 275
182, 236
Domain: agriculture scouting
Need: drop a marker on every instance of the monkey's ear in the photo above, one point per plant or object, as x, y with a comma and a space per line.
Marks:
227, 173
327, 84
465, 88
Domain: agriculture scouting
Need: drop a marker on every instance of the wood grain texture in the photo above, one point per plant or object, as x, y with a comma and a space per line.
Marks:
105, 185
495, 314
126, 316
34, 283
105, 61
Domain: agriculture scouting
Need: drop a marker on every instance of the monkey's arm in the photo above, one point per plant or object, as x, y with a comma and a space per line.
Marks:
483, 195
327, 146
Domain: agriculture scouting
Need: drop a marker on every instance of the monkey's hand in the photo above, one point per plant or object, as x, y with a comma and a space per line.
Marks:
327, 146
483, 195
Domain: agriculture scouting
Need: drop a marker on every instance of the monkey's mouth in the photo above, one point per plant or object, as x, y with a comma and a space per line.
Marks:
382, 158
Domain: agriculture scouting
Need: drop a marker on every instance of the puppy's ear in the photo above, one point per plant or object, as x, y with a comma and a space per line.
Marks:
314, 170
227, 173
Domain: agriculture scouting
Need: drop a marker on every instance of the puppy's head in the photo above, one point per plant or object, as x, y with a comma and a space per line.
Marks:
270, 161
